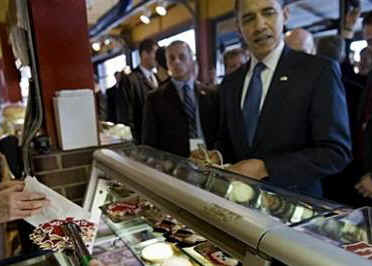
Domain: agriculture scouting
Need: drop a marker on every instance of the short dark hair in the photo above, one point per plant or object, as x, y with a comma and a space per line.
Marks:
367, 20
178, 42
332, 47
147, 45
160, 57
237, 3
234, 52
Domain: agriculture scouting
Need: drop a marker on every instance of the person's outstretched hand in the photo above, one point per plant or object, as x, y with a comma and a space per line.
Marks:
16, 204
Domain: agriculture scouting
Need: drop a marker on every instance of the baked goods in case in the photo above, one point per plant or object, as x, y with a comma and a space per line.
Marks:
158, 252
187, 237
240, 192
215, 255
125, 209
121, 209
50, 236
203, 158
168, 225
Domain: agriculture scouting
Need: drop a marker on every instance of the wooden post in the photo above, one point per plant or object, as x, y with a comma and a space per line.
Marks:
204, 40
62, 46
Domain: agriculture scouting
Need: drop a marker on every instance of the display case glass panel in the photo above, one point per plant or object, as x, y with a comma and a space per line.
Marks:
288, 207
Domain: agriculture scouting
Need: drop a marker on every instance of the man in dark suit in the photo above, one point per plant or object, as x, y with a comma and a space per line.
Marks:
283, 115
135, 87
181, 111
364, 186
111, 98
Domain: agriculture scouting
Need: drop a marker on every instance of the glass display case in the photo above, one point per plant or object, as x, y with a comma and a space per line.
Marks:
155, 208
252, 221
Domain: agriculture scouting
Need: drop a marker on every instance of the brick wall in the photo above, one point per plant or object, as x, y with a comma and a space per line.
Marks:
68, 172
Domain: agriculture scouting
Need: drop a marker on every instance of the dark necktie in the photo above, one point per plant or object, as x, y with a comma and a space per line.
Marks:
190, 111
251, 108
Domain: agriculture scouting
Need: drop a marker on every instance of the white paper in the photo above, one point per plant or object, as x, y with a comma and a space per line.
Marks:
76, 121
75, 92
59, 208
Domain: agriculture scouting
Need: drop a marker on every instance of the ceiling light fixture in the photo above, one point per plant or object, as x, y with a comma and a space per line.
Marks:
96, 46
161, 8
145, 17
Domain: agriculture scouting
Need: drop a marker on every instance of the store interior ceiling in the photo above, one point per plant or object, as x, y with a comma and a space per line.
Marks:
3, 9
315, 15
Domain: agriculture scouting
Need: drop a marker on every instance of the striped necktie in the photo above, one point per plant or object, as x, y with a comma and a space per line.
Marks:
252, 101
190, 110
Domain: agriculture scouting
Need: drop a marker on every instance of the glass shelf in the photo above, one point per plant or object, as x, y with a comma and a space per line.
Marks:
281, 205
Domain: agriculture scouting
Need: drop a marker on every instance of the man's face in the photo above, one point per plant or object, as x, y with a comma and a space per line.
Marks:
148, 58
180, 62
367, 34
233, 63
261, 23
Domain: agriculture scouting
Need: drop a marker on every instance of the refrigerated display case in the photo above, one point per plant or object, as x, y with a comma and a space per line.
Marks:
252, 221
242, 221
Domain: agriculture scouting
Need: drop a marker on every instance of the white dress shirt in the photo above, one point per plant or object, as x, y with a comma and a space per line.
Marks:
149, 74
270, 61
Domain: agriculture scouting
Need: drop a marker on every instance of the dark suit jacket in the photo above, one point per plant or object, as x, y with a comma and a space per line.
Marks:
367, 159
303, 133
111, 96
131, 100
165, 124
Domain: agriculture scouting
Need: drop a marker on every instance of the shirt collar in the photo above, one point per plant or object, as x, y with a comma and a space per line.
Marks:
180, 83
146, 72
271, 60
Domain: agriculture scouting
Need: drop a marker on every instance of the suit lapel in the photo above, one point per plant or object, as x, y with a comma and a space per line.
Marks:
143, 80
238, 117
275, 94
172, 97
203, 104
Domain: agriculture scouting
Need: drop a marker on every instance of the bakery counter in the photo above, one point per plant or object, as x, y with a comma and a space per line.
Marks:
247, 219
154, 208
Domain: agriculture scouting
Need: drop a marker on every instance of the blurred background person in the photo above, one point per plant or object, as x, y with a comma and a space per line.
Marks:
135, 87
300, 40
233, 59
111, 95
332, 47
161, 66
182, 112
365, 65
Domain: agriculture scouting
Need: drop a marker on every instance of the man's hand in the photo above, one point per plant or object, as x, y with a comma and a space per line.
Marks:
8, 184
351, 18
15, 204
364, 186
252, 168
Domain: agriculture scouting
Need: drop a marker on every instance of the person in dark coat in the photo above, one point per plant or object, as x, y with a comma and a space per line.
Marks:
283, 115
134, 89
182, 110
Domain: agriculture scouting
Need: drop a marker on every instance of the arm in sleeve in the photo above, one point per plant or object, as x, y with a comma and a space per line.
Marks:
124, 102
223, 142
150, 124
329, 150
